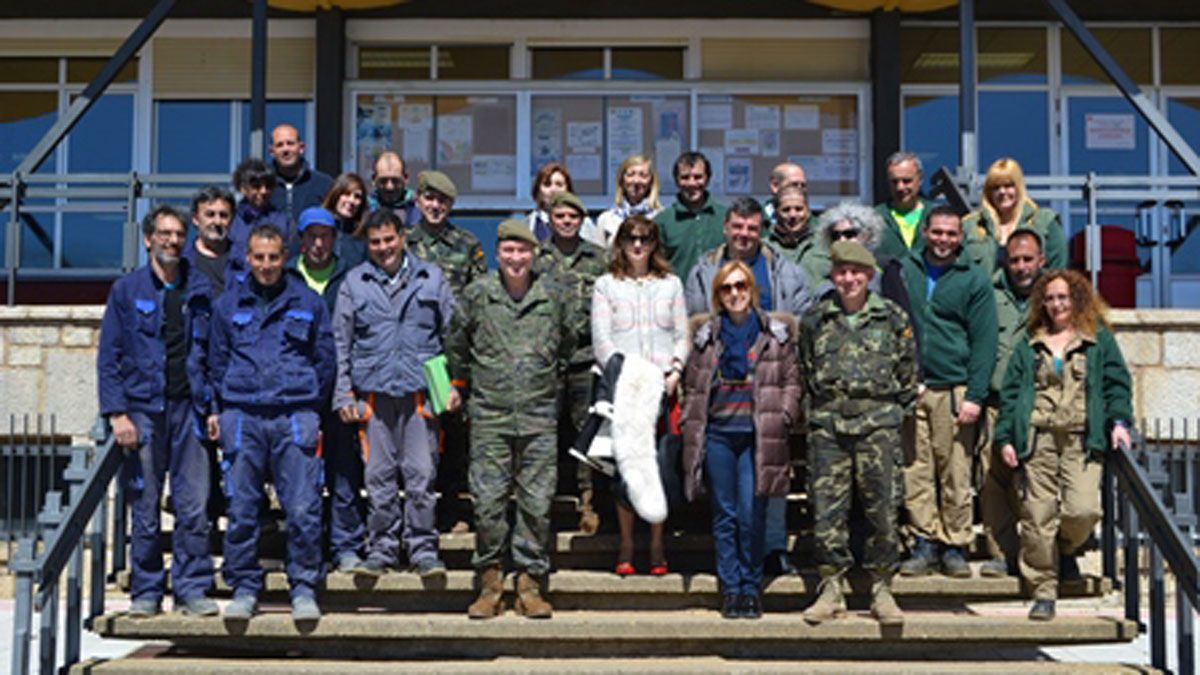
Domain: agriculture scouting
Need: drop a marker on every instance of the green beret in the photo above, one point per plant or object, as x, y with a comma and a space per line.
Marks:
438, 182
850, 252
567, 199
515, 229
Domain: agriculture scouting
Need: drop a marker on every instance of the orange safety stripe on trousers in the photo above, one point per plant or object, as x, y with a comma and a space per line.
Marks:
362, 428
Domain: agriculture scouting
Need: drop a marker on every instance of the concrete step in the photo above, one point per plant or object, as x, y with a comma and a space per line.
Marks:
609, 634
589, 590
153, 664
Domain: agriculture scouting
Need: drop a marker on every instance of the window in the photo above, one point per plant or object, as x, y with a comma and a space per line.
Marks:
1179, 55
213, 136
625, 63
417, 62
1129, 46
1004, 55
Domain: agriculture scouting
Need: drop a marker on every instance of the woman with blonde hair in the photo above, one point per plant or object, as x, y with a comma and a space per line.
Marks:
638, 308
637, 194
1065, 401
1006, 207
742, 397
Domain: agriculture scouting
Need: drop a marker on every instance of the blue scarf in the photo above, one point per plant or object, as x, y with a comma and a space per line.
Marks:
625, 209
736, 342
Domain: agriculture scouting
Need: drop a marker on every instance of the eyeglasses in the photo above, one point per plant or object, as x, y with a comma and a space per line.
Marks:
211, 213
738, 286
639, 239
851, 233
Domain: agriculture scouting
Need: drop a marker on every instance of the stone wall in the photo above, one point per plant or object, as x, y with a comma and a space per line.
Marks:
48, 364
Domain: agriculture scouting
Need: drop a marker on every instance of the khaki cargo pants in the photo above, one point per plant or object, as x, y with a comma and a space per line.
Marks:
999, 499
937, 484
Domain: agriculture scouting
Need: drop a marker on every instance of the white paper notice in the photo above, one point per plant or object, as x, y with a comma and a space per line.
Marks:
584, 167
454, 136
716, 115
741, 142
739, 175
762, 117
813, 165
802, 117
414, 116
716, 159
624, 135
768, 142
583, 136
1108, 131
840, 168
839, 142
547, 137
416, 146
494, 173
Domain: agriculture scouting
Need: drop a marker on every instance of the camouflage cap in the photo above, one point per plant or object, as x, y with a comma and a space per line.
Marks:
515, 229
438, 182
565, 198
850, 252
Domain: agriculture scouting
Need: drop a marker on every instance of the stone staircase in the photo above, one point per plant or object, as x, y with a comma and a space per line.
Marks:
607, 624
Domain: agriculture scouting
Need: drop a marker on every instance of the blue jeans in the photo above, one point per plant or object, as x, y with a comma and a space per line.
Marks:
344, 480
168, 443
738, 516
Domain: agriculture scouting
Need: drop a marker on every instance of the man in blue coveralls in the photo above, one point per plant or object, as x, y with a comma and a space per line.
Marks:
272, 366
151, 379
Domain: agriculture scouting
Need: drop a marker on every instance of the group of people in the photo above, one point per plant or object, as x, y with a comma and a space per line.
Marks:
305, 339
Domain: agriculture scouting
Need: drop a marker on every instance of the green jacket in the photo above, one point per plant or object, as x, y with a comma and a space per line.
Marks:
455, 250
686, 235
509, 354
957, 324
1012, 315
859, 378
807, 253
891, 242
1109, 396
576, 274
979, 234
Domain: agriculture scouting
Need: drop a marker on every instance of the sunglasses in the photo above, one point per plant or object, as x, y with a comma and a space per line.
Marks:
851, 233
642, 239
738, 286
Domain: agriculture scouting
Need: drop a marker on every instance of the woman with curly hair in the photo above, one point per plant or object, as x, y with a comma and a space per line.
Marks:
1064, 402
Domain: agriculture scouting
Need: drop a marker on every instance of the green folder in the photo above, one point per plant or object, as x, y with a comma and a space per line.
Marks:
438, 381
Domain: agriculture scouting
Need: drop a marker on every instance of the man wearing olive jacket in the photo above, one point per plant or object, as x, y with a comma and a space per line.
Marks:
954, 306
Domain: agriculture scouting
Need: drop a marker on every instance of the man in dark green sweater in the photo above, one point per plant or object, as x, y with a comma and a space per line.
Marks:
906, 211
955, 309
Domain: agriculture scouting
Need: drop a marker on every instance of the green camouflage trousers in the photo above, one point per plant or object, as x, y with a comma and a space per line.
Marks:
503, 465
865, 464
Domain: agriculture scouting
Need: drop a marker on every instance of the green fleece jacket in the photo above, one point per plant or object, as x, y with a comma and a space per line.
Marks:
891, 242
957, 323
1012, 315
1109, 396
982, 248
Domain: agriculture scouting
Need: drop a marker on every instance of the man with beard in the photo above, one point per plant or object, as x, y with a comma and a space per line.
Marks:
212, 212
390, 182
150, 370
297, 185
999, 503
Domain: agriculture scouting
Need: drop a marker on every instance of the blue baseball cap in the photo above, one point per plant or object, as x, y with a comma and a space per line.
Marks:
315, 215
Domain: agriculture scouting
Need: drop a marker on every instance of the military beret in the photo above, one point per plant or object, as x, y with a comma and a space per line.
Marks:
515, 229
849, 252
565, 198
438, 182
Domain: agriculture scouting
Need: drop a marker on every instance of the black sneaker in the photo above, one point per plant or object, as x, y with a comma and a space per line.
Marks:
750, 606
1042, 610
730, 606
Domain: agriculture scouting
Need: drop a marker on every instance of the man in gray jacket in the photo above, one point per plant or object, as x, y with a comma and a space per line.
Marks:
781, 286
391, 313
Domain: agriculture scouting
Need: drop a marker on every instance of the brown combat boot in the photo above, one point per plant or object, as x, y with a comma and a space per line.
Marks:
589, 520
830, 603
491, 593
883, 605
530, 602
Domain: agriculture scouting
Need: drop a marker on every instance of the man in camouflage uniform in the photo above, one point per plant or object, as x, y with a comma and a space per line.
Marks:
436, 240
858, 351
575, 264
508, 346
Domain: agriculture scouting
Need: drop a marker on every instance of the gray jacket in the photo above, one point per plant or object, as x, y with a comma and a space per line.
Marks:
789, 293
385, 332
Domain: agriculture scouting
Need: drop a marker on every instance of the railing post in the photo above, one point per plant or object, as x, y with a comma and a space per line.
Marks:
50, 518
23, 566
1158, 611
1185, 642
12, 254
1129, 520
99, 434
1108, 529
75, 474
120, 529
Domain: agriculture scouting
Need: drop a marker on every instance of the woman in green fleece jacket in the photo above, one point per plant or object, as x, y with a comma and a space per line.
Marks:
1064, 402
1007, 207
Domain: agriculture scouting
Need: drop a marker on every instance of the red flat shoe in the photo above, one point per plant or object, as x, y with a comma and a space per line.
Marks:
659, 570
625, 569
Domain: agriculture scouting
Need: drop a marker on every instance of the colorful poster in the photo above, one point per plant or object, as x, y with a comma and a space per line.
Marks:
762, 117
414, 116
1109, 131
741, 142
839, 142
768, 142
454, 139
807, 117
547, 138
739, 176
716, 116
624, 135
584, 136
716, 159
666, 151
416, 146
373, 131
494, 173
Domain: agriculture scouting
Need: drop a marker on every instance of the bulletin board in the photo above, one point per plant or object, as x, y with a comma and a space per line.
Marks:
745, 137
472, 139
592, 135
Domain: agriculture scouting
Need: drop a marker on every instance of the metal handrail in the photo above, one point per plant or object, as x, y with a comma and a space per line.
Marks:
37, 573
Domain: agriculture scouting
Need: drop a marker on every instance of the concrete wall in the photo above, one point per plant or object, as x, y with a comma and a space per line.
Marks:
48, 354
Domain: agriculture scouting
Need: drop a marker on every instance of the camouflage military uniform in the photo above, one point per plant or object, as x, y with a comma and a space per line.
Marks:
512, 354
576, 274
461, 258
862, 380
